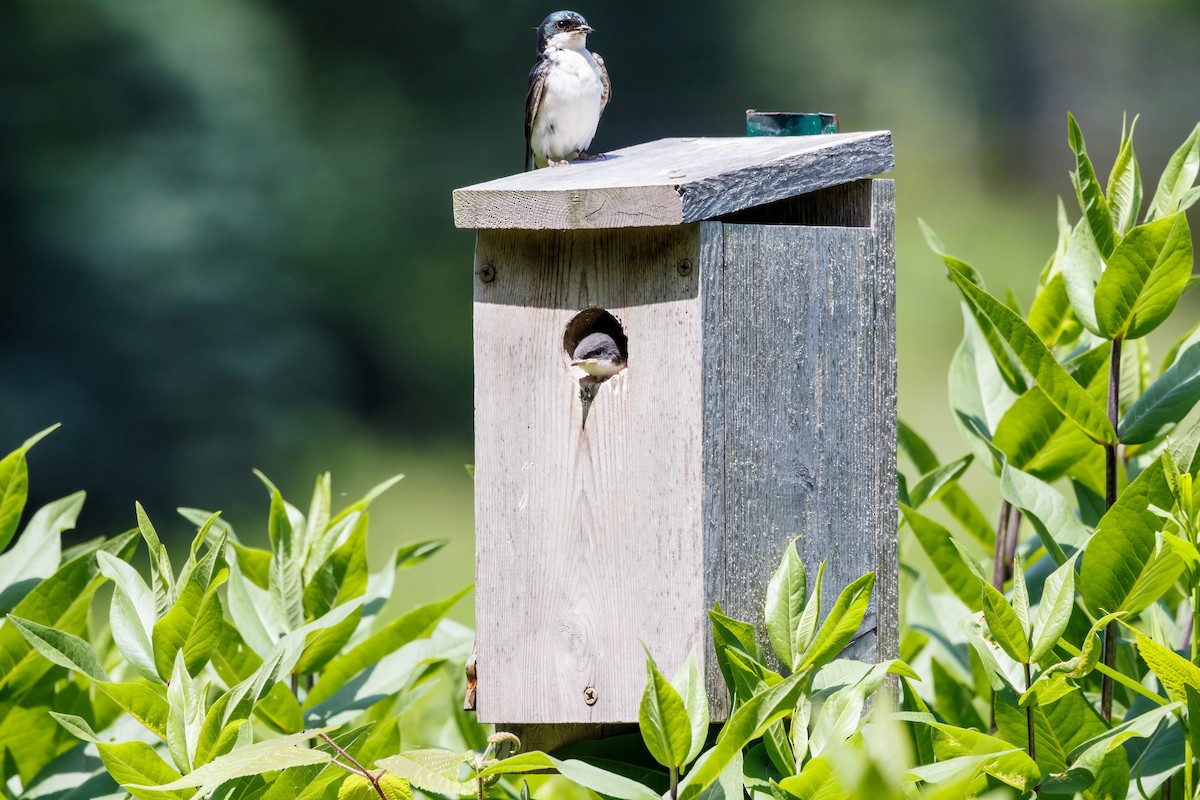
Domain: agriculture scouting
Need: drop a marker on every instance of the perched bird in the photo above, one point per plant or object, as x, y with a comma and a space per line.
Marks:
568, 90
598, 355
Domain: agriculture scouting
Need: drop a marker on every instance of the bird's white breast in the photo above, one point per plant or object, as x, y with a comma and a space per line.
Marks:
570, 106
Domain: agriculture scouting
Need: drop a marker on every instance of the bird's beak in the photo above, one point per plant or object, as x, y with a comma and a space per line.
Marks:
586, 29
584, 362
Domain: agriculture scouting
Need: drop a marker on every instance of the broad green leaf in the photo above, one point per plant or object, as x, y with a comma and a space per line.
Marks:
135, 764
843, 622
14, 490
1038, 438
415, 624
956, 501
286, 563
1089, 761
1087, 190
1169, 399
266, 756
356, 787
1020, 591
1006, 764
1066, 395
1124, 190
1173, 671
62, 648
38, 549
410, 555
77, 726
954, 699
438, 771
786, 593
341, 578
185, 716
1054, 610
817, 781
603, 782
131, 614
192, 624
1052, 517
663, 719
254, 610
1177, 178
146, 704
317, 520
1144, 279
839, 718
1004, 625
690, 685
1082, 269
812, 613
745, 724
938, 544
1050, 316
979, 395
732, 634
1121, 554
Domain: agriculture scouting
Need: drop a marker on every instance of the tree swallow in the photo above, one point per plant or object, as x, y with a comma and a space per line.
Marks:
598, 355
568, 90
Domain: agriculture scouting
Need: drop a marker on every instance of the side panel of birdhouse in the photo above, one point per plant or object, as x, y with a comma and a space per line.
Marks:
804, 389
588, 538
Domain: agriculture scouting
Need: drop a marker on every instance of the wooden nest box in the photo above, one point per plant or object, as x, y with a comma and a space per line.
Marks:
750, 284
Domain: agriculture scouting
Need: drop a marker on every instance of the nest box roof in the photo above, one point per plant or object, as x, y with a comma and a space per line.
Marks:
673, 181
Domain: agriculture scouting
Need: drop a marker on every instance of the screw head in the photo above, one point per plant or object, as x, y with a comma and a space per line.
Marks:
684, 267
589, 696
487, 273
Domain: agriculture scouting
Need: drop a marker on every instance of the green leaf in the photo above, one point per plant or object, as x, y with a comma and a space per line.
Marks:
807, 628
1169, 399
415, 624
1050, 316
254, 611
437, 771
410, 555
131, 614
135, 764
1052, 517
286, 581
162, 575
663, 719
603, 782
956, 501
745, 724
842, 624
785, 603
1125, 185
1004, 625
733, 634
1125, 561
14, 490
1144, 279
1177, 178
938, 544
356, 787
690, 685
979, 395
1005, 763
934, 483
38, 550
76, 726
60, 647
255, 759
1087, 190
1054, 610
193, 625
1066, 395
146, 704
1173, 671
185, 716
1083, 267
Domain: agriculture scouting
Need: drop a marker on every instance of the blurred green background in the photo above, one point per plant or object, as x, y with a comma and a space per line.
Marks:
227, 235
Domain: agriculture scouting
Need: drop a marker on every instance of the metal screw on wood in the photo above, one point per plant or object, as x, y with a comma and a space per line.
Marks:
487, 273
684, 267
589, 696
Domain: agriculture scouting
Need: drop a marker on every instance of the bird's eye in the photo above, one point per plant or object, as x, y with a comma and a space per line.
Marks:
562, 23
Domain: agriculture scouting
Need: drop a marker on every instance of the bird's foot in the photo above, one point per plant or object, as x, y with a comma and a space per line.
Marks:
550, 162
586, 156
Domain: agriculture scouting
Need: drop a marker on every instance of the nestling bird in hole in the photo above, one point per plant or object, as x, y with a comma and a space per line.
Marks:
598, 355
568, 90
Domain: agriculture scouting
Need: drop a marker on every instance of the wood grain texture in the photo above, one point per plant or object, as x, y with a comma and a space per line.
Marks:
806, 391
587, 539
672, 181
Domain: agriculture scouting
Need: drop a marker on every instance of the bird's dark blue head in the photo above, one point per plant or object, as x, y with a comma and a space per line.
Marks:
563, 29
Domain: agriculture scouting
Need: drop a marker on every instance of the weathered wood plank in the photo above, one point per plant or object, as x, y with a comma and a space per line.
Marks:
672, 181
807, 396
587, 539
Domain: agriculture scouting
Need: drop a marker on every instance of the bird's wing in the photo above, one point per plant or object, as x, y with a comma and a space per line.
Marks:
607, 95
533, 100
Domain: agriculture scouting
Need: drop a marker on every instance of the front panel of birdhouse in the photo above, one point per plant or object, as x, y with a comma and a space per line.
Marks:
588, 536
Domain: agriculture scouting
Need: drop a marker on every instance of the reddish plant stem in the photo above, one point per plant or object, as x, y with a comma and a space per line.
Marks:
1109, 655
1010, 545
999, 569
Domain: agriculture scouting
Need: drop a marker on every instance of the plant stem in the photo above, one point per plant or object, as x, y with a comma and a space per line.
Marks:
354, 766
1032, 737
999, 570
1010, 546
674, 783
1109, 656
